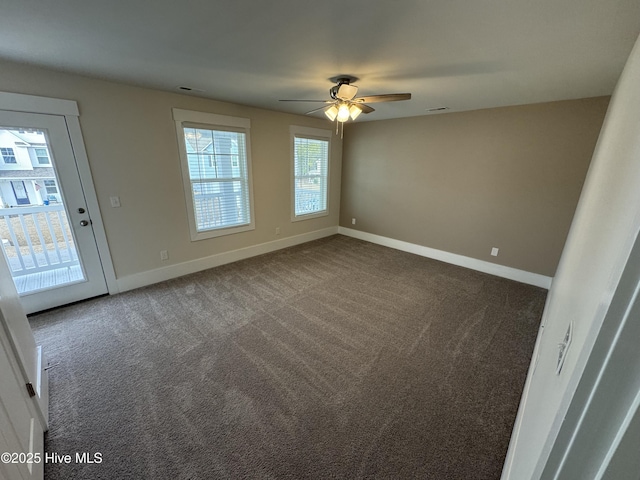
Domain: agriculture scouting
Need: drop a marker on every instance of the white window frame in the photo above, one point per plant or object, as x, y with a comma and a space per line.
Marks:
211, 121
314, 134
38, 157
12, 154
54, 186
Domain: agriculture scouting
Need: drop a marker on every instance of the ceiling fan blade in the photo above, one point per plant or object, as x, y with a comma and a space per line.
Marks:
365, 108
390, 97
323, 101
316, 110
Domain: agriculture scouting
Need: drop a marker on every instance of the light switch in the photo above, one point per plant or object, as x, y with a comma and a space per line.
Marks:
115, 202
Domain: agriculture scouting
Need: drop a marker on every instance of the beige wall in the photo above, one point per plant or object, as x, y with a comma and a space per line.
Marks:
465, 182
131, 142
459, 182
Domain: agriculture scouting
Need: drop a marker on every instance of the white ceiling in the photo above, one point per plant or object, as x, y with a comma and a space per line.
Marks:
461, 54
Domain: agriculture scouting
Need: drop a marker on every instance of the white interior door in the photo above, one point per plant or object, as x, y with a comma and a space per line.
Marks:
23, 411
21, 434
49, 243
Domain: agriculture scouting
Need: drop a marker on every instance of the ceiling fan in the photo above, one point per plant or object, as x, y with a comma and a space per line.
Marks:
344, 104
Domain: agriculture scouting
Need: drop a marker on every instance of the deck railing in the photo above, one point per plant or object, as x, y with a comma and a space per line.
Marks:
37, 239
307, 202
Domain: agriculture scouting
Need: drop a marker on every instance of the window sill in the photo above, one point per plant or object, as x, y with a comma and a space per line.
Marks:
196, 236
309, 216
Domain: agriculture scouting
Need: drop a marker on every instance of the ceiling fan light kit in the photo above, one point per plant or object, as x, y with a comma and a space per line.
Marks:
346, 91
343, 112
354, 111
331, 112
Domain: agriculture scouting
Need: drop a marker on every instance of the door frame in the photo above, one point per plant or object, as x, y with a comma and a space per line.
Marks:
607, 396
69, 110
15, 194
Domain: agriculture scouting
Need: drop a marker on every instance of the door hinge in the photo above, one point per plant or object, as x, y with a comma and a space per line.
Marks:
31, 390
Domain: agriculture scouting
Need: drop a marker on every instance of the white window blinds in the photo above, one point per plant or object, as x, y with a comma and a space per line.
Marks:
216, 168
311, 168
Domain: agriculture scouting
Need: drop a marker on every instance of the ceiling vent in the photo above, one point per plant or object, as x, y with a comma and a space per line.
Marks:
185, 89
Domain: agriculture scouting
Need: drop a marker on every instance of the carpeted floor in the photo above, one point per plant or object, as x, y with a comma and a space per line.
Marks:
337, 359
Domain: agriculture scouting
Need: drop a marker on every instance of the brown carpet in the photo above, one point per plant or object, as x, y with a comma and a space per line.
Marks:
335, 359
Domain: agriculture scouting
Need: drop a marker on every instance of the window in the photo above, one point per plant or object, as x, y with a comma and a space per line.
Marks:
310, 149
52, 194
50, 187
216, 170
42, 155
8, 155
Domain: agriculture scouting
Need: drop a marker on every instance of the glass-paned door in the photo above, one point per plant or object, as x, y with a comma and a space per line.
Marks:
45, 228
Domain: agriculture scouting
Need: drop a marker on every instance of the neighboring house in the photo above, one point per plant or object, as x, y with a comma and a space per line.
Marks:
26, 174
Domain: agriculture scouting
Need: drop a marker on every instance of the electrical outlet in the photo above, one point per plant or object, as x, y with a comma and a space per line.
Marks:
115, 202
164, 255
277, 230
494, 251
353, 221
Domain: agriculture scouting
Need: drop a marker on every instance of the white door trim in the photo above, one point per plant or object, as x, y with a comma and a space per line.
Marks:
69, 110
82, 160
18, 102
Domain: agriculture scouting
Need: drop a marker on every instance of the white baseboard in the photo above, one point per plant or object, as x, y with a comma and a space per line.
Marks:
455, 259
150, 277
179, 269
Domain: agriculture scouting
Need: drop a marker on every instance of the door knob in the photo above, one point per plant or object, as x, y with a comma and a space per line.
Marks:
84, 223
81, 210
